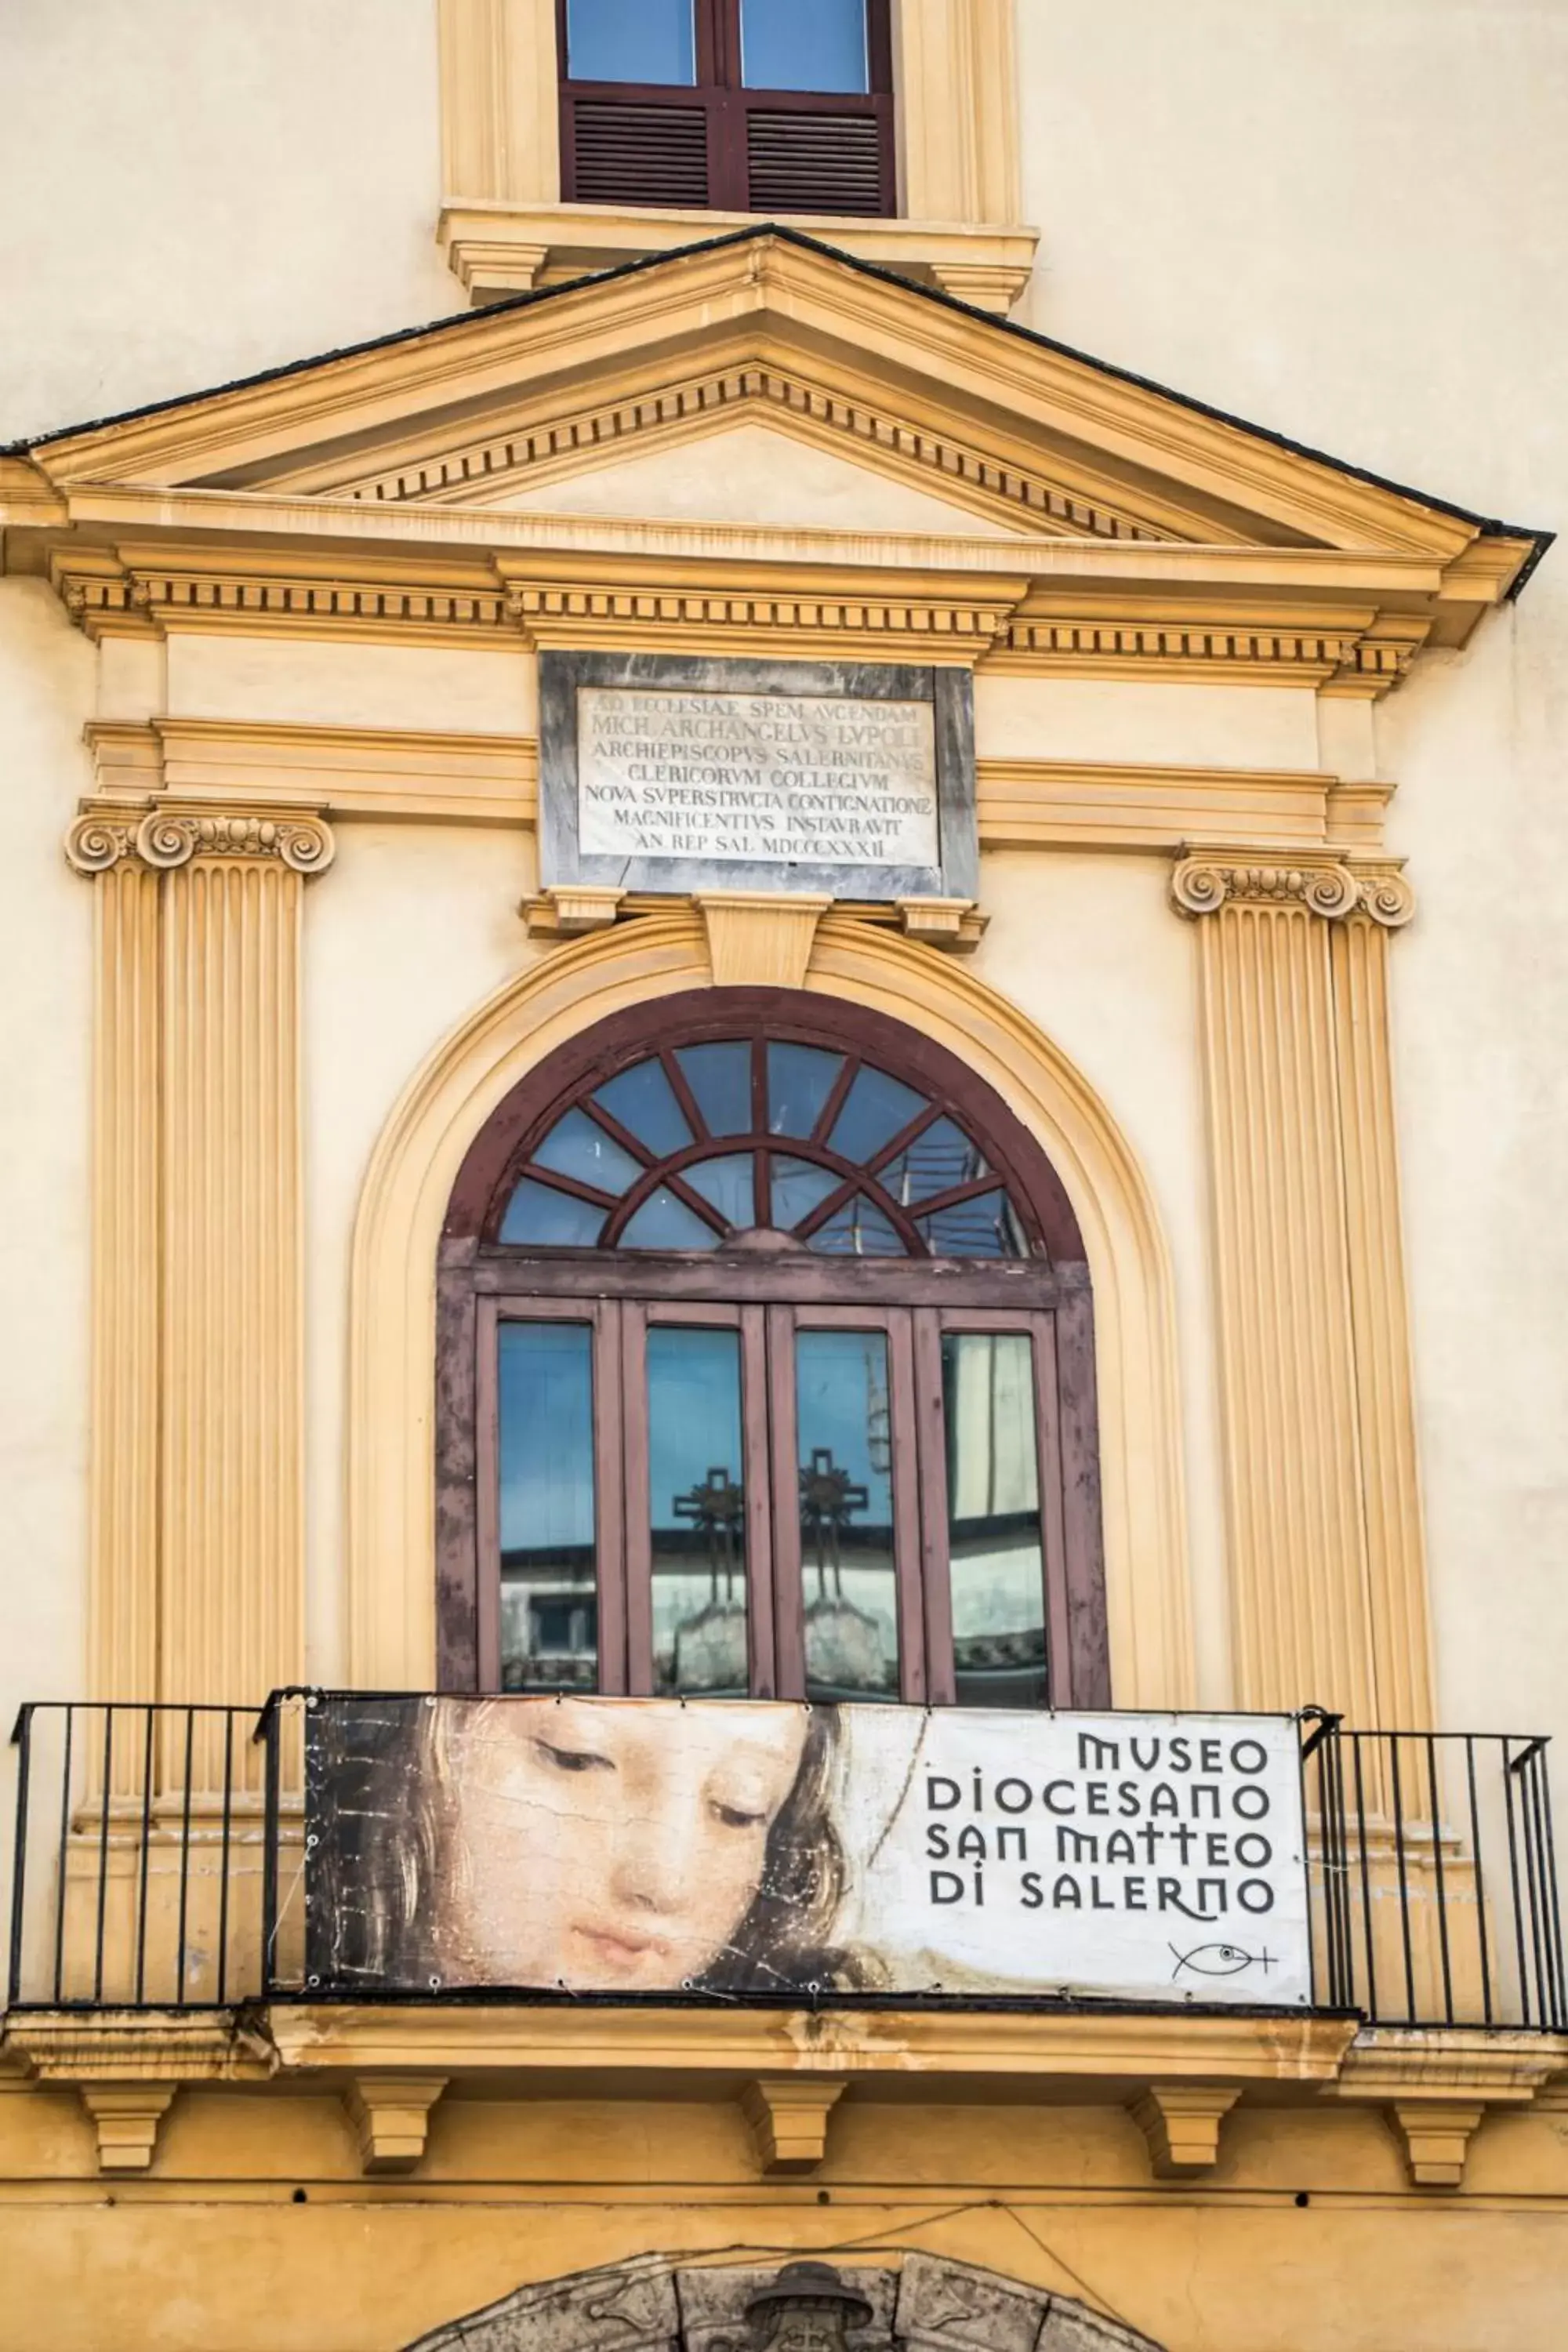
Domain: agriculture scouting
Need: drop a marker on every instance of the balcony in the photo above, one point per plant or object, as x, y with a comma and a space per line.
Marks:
181, 1875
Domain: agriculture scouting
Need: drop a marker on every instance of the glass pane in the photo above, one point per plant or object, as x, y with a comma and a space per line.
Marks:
575, 1147
664, 1222
800, 1079
984, 1227
697, 1510
844, 1427
720, 1078
857, 1230
549, 1588
994, 1519
940, 1155
536, 1213
631, 40
729, 1184
799, 1186
643, 1099
804, 44
875, 1108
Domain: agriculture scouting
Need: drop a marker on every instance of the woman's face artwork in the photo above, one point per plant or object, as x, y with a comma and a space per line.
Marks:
611, 1848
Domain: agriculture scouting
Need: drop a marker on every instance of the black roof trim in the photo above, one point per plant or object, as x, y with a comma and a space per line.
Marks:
1488, 525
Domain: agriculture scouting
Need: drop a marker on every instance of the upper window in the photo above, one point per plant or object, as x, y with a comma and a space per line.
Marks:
766, 1367
755, 106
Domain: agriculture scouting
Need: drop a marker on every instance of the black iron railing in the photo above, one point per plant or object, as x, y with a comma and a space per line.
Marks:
159, 1857
1433, 1888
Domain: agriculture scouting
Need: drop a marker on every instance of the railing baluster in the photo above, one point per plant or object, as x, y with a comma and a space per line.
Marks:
1398, 1797
1513, 1877
103, 1799
228, 1723
146, 1858
64, 1855
22, 1740
1437, 1878
1559, 2018
184, 1860
1480, 1881
1370, 2004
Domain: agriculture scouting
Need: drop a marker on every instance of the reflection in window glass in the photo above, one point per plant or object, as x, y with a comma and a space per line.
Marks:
800, 1079
804, 45
857, 1230
643, 1100
729, 1182
984, 1227
576, 1146
630, 41
537, 1213
844, 1428
665, 1222
997, 1564
940, 1155
697, 1510
799, 1186
720, 1078
875, 1108
548, 1590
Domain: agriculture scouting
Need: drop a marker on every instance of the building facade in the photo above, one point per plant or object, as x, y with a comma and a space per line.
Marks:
770, 1045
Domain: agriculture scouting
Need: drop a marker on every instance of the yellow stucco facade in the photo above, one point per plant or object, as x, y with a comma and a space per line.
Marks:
1262, 754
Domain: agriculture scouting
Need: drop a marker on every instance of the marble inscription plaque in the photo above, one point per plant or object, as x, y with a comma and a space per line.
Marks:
736, 777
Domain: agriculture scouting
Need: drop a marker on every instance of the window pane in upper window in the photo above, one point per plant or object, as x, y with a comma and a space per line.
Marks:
665, 1222
940, 1157
634, 40
994, 1519
844, 1428
800, 1079
857, 1230
984, 1227
576, 1146
730, 1184
720, 1078
549, 1588
643, 1099
804, 45
799, 1186
697, 1510
536, 1212
875, 1108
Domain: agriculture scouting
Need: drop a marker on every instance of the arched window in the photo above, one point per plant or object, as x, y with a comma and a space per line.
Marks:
766, 1366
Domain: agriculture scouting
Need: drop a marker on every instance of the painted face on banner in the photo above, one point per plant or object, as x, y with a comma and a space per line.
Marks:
602, 1853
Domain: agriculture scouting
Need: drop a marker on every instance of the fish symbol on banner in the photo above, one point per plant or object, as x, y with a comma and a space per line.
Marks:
1219, 1960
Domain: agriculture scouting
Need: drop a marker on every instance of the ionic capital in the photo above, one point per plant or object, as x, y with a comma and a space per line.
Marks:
1203, 885
164, 838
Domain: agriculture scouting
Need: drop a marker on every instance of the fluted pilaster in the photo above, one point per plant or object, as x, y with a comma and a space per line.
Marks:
1324, 1530
197, 1460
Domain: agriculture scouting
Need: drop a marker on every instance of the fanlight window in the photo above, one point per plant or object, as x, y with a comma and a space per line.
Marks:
763, 1143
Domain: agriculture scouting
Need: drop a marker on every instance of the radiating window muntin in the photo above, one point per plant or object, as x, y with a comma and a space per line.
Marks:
679, 1152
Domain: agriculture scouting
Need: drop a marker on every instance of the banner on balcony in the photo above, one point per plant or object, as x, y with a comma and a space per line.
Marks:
642, 1847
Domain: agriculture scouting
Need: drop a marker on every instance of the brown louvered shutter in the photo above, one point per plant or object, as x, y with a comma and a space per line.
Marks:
805, 163
636, 153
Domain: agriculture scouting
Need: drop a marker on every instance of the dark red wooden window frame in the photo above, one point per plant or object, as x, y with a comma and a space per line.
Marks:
727, 107
766, 1296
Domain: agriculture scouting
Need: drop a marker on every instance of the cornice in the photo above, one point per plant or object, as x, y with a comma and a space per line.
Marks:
1307, 618
1324, 885
104, 835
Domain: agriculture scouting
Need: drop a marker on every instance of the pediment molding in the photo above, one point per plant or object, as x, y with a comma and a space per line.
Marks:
1140, 534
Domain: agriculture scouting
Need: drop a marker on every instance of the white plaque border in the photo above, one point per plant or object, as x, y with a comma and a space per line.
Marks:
949, 692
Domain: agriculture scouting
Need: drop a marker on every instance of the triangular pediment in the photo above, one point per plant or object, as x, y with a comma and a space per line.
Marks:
763, 381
